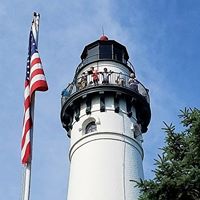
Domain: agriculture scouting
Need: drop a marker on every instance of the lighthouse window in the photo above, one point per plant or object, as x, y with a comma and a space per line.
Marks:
93, 54
105, 51
91, 127
117, 53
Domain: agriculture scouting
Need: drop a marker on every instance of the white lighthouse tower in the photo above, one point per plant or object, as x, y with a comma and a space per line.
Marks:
105, 110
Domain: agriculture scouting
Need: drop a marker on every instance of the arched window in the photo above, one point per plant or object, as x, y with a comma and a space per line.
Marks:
91, 127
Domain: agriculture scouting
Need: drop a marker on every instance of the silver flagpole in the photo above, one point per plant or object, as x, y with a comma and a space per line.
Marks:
27, 167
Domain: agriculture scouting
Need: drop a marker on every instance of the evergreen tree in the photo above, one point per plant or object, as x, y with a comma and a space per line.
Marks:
177, 173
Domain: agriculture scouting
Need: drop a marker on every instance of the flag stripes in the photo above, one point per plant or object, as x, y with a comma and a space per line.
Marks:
35, 81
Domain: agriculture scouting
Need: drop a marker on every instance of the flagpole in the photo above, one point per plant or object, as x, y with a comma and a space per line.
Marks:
27, 167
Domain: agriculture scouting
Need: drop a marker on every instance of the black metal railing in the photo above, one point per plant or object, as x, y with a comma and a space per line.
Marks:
109, 78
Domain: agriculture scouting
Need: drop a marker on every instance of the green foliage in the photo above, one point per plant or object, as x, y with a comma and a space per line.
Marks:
177, 173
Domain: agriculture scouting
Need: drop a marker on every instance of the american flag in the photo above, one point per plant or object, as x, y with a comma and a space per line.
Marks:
35, 81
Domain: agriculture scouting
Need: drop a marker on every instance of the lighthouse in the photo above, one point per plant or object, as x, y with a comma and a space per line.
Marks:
105, 110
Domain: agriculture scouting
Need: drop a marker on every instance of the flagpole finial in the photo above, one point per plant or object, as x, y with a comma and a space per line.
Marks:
35, 14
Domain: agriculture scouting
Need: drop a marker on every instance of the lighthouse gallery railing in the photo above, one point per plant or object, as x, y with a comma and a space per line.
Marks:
114, 78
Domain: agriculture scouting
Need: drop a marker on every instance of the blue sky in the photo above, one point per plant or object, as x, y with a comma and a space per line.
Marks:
162, 38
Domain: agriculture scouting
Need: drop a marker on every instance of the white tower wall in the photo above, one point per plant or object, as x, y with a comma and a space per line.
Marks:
104, 162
